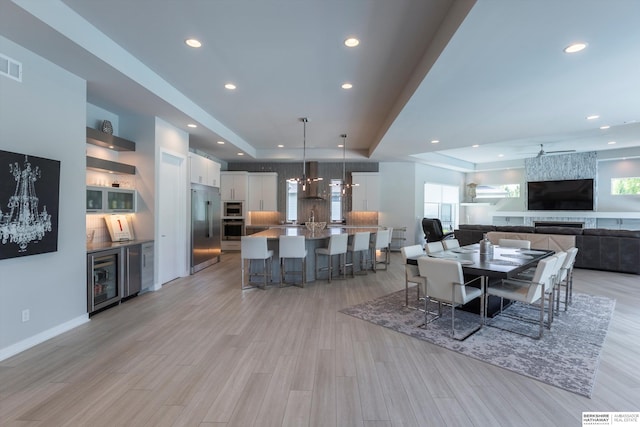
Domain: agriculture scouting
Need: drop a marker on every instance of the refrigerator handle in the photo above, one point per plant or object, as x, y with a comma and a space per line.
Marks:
208, 203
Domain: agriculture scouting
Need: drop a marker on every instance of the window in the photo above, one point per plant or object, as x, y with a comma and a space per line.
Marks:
498, 191
292, 201
442, 202
625, 186
336, 200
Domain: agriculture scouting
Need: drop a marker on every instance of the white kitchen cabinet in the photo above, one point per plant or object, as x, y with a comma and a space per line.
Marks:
234, 185
198, 169
263, 191
213, 169
365, 193
204, 171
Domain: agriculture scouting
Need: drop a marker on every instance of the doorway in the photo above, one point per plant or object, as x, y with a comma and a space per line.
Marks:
172, 246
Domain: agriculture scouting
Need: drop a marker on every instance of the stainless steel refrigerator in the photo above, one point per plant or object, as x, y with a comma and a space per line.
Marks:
205, 226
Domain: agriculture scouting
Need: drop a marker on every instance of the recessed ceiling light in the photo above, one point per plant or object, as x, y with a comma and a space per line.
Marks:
575, 47
240, 154
500, 155
191, 125
611, 142
230, 86
351, 42
475, 146
221, 142
111, 147
193, 43
435, 141
605, 127
280, 146
347, 86
593, 117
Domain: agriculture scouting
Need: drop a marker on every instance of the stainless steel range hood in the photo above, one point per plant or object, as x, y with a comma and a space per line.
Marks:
314, 182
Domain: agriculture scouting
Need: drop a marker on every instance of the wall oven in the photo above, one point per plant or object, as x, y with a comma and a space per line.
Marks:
232, 209
232, 229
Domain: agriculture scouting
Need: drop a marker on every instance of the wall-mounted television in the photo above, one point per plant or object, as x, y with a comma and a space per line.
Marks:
560, 195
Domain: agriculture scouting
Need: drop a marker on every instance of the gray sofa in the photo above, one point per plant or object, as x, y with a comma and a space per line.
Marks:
598, 248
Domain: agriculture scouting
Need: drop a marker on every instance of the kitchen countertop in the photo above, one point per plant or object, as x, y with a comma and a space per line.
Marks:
105, 246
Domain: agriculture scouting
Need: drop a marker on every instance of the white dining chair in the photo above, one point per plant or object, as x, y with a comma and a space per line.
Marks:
450, 244
514, 243
566, 278
532, 292
292, 247
411, 273
445, 284
433, 247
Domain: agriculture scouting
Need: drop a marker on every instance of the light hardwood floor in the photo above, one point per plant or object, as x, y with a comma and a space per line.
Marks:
199, 352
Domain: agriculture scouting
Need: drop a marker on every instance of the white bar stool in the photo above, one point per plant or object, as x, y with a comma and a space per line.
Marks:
255, 248
292, 247
380, 243
337, 246
360, 243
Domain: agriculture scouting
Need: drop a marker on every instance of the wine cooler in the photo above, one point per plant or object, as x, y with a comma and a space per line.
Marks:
104, 281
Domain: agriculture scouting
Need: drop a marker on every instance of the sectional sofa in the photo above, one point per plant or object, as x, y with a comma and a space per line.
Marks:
598, 248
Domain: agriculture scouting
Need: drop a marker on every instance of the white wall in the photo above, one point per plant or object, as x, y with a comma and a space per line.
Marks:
141, 130
402, 194
44, 116
617, 169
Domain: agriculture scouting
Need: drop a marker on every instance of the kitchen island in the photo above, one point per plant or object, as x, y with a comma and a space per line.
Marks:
313, 240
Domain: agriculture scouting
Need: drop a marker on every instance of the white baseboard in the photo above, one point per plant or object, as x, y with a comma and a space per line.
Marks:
23, 345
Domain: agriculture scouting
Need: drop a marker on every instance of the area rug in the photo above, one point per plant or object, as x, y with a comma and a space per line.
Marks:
566, 357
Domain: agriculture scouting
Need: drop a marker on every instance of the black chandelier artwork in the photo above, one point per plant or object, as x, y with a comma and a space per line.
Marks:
28, 220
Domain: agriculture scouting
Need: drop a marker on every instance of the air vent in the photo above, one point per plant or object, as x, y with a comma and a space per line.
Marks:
10, 68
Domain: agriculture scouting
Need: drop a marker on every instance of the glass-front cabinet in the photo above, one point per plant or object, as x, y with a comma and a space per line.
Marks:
94, 200
106, 199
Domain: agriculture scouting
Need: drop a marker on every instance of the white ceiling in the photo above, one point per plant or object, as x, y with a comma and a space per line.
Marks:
490, 72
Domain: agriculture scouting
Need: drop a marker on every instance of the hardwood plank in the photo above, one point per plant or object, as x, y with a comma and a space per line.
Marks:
252, 395
348, 411
274, 404
298, 409
323, 399
372, 398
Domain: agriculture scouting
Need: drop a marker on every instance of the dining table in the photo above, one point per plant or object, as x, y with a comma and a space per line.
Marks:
502, 263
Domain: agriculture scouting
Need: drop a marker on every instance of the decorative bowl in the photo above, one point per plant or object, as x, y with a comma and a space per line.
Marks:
315, 226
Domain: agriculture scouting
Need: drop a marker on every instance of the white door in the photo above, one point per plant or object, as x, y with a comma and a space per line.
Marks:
171, 218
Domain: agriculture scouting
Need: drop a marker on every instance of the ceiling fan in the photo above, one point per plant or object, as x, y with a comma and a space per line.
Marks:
542, 152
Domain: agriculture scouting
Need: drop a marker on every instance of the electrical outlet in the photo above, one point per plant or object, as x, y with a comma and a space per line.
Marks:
25, 315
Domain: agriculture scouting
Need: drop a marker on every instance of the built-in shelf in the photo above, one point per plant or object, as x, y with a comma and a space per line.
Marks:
109, 141
568, 214
102, 165
476, 204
